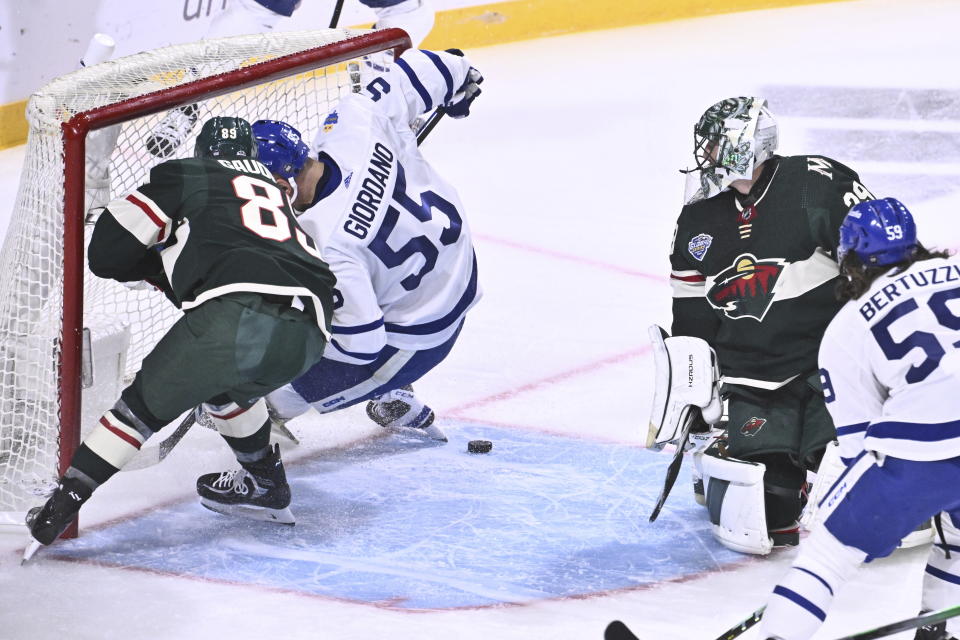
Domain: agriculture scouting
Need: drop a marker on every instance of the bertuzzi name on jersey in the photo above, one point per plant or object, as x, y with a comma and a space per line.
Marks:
372, 190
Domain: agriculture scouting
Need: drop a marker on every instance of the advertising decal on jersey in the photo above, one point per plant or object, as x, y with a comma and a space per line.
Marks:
745, 289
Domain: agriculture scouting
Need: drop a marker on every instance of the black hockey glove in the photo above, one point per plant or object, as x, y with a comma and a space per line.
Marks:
459, 105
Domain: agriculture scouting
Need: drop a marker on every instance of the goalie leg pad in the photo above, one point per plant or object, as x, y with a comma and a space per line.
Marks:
735, 500
686, 373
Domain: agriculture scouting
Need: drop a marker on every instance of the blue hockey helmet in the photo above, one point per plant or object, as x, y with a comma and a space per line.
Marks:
880, 232
280, 147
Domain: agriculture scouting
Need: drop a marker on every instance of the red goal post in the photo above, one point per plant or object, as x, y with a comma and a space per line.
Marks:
61, 328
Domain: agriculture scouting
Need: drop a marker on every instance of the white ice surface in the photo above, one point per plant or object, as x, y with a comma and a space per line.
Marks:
568, 171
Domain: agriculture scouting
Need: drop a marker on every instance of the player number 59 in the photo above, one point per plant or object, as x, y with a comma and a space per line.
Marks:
894, 232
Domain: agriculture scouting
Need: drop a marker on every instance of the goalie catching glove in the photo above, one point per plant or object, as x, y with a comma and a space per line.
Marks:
686, 379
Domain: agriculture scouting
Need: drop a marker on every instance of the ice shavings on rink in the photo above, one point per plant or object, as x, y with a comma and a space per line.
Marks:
405, 524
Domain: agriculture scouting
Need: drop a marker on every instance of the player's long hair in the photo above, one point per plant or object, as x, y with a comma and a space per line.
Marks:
859, 277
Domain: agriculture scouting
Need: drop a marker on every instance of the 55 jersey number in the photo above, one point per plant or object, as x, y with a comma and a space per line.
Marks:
421, 244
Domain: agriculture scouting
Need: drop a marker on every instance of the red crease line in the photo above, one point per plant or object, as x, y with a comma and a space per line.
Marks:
568, 257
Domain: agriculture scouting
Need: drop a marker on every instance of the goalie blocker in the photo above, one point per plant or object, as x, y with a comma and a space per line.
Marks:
687, 375
687, 379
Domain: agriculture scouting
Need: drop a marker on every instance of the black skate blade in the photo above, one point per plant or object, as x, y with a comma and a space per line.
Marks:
279, 516
29, 551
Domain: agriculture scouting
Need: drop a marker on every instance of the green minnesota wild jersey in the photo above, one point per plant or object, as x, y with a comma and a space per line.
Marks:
755, 275
206, 227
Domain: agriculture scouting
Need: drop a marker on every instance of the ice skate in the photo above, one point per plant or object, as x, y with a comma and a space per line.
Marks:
46, 523
400, 410
259, 490
172, 131
936, 631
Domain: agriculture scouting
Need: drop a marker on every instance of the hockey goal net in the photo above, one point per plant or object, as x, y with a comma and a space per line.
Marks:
70, 342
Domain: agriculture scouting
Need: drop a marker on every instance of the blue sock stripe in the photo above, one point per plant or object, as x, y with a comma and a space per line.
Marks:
800, 601
950, 547
943, 575
415, 81
822, 581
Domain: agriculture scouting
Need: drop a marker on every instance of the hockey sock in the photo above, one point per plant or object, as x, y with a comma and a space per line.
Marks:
800, 601
246, 429
251, 448
111, 444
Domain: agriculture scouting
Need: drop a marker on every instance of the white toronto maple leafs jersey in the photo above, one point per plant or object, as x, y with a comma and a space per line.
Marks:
392, 230
890, 365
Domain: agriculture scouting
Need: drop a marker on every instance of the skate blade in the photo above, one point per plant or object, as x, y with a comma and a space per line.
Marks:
282, 430
29, 551
279, 516
431, 433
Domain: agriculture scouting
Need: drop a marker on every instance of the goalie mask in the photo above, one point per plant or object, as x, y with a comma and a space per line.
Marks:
730, 140
225, 137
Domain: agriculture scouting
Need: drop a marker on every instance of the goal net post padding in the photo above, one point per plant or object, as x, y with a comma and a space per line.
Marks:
69, 342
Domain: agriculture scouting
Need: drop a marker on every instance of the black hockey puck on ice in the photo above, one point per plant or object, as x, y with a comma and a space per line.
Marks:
479, 446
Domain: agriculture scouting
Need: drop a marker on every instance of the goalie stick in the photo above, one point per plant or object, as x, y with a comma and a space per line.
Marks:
616, 630
674, 469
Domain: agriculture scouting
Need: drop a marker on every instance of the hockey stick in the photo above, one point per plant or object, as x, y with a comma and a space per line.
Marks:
428, 126
674, 469
336, 14
616, 630
905, 625
154, 455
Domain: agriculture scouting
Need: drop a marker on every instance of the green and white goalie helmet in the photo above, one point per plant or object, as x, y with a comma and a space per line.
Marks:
730, 140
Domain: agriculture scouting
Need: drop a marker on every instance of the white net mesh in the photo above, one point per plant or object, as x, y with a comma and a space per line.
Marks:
31, 262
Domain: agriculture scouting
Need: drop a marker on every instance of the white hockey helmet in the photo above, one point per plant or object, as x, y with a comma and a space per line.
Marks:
730, 140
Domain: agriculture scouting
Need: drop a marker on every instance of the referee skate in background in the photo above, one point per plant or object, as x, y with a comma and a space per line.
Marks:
216, 235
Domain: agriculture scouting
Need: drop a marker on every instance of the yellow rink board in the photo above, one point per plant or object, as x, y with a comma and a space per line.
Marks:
514, 20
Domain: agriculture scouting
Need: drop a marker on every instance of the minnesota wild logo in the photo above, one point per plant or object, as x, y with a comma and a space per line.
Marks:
745, 289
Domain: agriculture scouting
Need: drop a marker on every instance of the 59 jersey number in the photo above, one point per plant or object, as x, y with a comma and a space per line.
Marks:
929, 344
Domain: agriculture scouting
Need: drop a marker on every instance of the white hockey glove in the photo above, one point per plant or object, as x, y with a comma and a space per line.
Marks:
459, 105
686, 374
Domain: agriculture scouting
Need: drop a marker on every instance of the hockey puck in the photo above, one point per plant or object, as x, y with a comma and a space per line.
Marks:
479, 446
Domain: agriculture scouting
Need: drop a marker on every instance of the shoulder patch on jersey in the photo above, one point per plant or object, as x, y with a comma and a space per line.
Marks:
699, 244
331, 119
